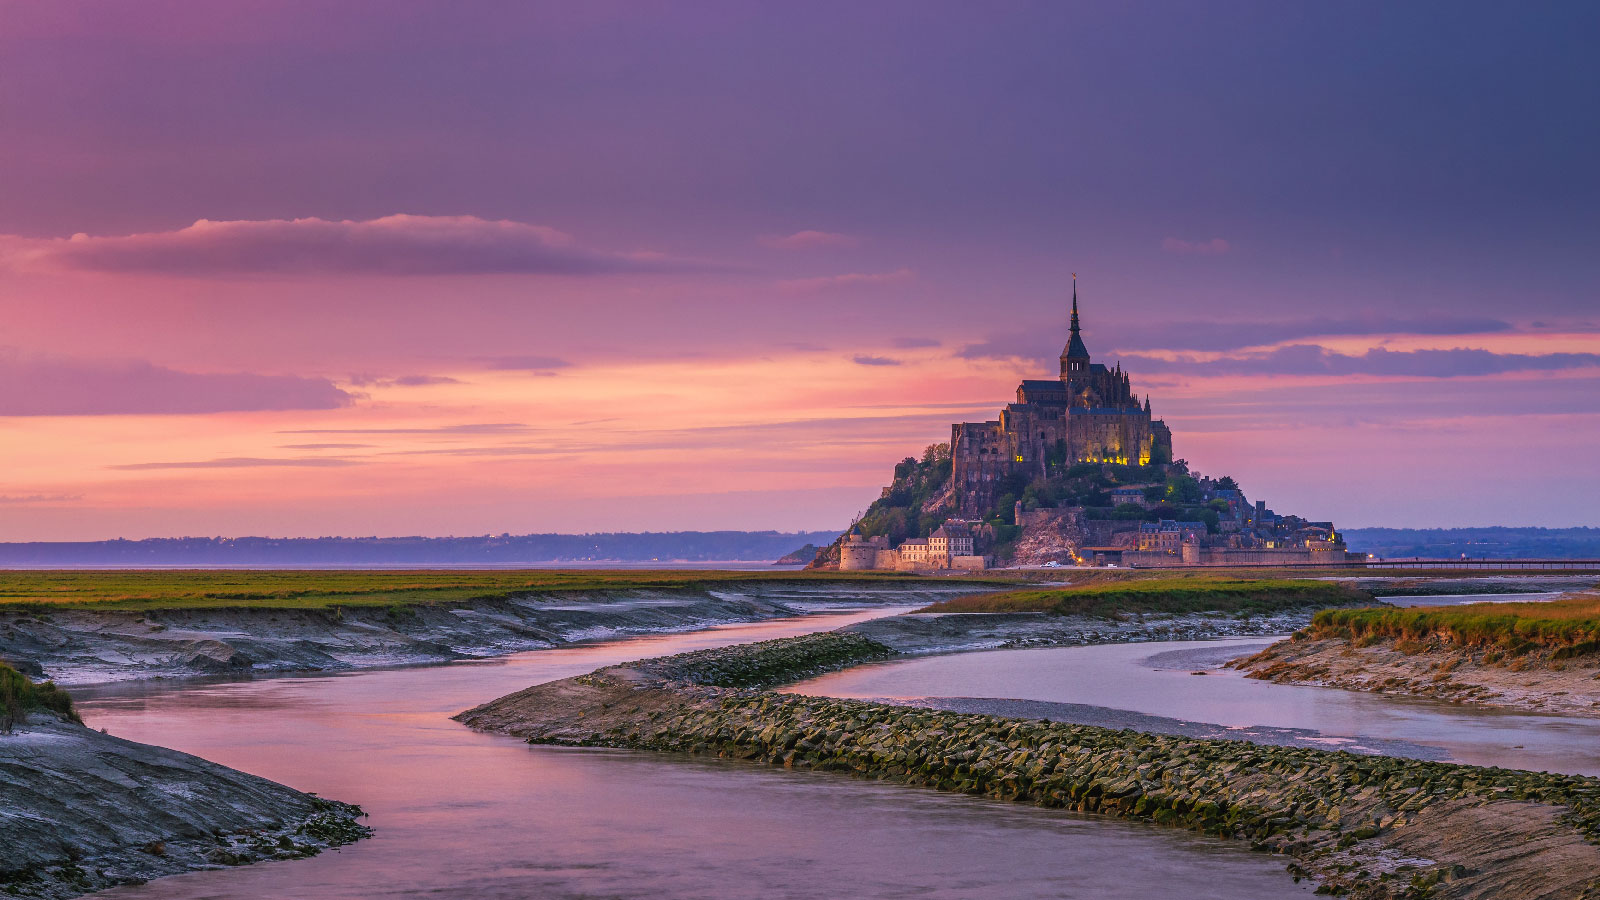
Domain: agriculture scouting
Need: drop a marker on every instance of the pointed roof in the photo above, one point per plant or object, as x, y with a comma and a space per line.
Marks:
1075, 345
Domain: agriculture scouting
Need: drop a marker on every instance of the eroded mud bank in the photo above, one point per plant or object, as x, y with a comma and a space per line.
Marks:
81, 811
84, 646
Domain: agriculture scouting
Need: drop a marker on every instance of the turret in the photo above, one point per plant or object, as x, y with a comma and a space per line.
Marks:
1075, 358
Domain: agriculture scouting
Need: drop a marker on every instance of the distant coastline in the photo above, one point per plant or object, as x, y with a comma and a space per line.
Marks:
1487, 543
660, 550
682, 549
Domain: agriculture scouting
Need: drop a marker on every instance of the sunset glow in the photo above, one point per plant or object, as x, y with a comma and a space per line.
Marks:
327, 299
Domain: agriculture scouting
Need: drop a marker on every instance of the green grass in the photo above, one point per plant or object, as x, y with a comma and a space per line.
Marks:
1567, 625
1163, 595
307, 589
20, 696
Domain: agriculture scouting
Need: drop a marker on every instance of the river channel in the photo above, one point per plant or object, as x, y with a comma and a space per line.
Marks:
462, 814
1154, 687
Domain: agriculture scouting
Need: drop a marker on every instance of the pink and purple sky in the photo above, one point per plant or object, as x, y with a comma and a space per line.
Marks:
297, 268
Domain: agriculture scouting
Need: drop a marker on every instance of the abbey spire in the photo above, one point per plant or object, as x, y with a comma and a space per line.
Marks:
1075, 358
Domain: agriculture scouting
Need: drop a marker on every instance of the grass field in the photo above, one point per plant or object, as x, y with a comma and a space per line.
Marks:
311, 589
1568, 625
1172, 594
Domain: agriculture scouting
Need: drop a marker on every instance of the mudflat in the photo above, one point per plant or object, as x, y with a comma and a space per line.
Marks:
81, 811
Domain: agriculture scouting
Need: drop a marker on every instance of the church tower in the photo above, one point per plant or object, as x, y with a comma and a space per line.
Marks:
1075, 358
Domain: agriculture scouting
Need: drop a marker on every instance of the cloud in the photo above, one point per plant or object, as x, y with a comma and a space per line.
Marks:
1309, 359
1212, 335
543, 364
874, 361
809, 240
476, 428
1213, 247
53, 386
847, 280
915, 343
326, 446
401, 380
241, 462
392, 245
24, 499
1008, 345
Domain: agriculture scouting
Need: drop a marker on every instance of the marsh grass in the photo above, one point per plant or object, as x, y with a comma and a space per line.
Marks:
1174, 595
20, 696
1566, 626
43, 591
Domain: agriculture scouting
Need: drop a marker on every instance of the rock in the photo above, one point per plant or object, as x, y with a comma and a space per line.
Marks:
81, 811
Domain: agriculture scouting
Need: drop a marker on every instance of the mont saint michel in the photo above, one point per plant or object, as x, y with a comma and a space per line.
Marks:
1076, 471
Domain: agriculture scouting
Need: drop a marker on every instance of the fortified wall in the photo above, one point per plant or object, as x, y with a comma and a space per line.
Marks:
951, 550
1320, 553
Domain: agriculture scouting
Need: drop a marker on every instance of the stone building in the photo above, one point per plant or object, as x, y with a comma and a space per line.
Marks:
1168, 536
1088, 414
914, 552
949, 547
949, 540
1133, 495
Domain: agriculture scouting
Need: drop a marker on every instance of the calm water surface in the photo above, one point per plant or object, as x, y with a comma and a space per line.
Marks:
1156, 679
460, 814
1463, 599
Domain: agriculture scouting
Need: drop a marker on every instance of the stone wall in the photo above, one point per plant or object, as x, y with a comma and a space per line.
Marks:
1194, 555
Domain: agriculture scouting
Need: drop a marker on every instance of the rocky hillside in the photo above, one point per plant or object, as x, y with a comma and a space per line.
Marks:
917, 501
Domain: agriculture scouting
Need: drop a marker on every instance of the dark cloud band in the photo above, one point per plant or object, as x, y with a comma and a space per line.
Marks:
49, 386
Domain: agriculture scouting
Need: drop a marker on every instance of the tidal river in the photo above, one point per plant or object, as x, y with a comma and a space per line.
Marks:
1155, 687
461, 814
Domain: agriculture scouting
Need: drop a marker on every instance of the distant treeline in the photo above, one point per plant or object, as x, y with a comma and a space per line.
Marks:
505, 549
1494, 543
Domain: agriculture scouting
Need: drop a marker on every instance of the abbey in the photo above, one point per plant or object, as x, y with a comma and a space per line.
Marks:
1088, 414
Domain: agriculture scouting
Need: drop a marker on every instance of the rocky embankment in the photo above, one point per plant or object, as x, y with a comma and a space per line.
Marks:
949, 632
84, 645
81, 811
1373, 827
1535, 682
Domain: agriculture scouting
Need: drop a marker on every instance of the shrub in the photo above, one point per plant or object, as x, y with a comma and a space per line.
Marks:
20, 696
